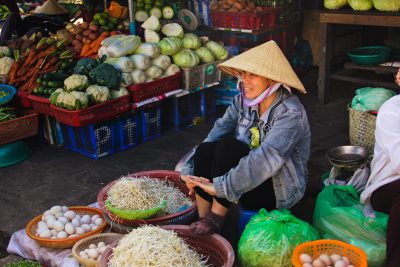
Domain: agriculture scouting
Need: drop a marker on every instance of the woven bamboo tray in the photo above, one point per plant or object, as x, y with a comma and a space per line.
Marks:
84, 243
65, 242
362, 129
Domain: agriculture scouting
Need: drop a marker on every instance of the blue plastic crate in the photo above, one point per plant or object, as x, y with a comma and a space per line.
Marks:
93, 140
244, 218
150, 122
225, 92
127, 131
182, 112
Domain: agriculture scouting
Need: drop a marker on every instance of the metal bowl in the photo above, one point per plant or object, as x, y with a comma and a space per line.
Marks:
347, 157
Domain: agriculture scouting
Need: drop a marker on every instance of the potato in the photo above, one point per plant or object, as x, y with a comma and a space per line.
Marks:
233, 9
87, 32
84, 25
259, 9
226, 6
76, 42
214, 6
78, 47
239, 6
231, 2
92, 36
78, 37
251, 5
85, 40
93, 27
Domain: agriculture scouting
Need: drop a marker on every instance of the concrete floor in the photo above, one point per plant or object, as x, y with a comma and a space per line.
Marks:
57, 176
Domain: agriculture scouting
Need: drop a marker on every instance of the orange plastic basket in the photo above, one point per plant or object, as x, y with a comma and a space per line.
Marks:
315, 248
65, 242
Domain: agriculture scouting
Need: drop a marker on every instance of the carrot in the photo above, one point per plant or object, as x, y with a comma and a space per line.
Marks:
13, 72
30, 57
85, 49
44, 53
50, 63
113, 33
99, 39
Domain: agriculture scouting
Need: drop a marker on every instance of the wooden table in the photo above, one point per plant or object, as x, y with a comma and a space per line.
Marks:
366, 18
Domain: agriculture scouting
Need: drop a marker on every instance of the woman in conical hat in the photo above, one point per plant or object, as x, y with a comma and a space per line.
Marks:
257, 153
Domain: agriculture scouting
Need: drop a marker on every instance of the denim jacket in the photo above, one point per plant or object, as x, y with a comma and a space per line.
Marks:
282, 155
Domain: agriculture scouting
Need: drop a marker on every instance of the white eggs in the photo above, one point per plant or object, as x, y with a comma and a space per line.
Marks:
93, 227
305, 258
307, 264
42, 224
346, 260
92, 246
45, 234
335, 257
50, 223
53, 232
79, 231
63, 220
326, 259
83, 254
72, 236
70, 215
94, 217
49, 217
101, 244
86, 228
98, 221
340, 263
69, 228
54, 210
58, 226
86, 219
64, 208
62, 234
318, 263
102, 249
76, 222
93, 253
59, 214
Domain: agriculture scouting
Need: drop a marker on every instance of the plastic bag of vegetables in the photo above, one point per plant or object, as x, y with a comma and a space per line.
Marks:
340, 215
186, 58
270, 238
205, 55
149, 49
334, 4
387, 5
191, 41
125, 45
217, 49
360, 4
170, 45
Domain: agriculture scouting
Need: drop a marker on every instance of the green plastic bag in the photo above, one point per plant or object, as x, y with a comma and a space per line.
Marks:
369, 98
270, 238
339, 215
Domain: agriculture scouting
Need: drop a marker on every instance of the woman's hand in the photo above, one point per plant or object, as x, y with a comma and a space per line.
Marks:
203, 183
397, 78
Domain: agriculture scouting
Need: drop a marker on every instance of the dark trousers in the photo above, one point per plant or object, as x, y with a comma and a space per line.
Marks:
12, 25
214, 159
386, 199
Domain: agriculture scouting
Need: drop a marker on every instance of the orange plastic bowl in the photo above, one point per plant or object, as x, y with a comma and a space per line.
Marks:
315, 248
65, 242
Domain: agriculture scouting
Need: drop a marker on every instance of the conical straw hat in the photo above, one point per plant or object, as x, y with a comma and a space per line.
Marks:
51, 7
265, 60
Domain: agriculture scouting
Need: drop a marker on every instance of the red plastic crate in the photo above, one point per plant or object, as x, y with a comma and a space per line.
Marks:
92, 114
41, 105
245, 20
140, 92
21, 99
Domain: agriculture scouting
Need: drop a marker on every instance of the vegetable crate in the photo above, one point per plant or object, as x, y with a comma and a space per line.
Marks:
184, 111
92, 114
127, 130
41, 105
201, 9
226, 92
140, 92
209, 104
244, 39
245, 21
21, 99
201, 76
150, 122
22, 127
50, 130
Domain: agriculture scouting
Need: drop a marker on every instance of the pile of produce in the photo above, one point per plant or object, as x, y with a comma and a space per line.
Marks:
6, 113
105, 21
237, 6
24, 263
117, 11
363, 5
325, 260
147, 8
60, 222
94, 251
4, 12
146, 193
49, 82
154, 246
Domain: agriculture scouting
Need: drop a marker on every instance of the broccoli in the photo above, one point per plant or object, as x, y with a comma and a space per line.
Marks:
84, 65
105, 75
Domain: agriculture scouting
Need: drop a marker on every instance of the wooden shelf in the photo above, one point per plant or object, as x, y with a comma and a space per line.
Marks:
371, 18
377, 69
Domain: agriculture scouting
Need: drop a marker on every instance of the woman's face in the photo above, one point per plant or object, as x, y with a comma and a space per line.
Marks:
253, 84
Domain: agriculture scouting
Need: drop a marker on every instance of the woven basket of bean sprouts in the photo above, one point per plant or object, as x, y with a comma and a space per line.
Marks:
147, 191
169, 245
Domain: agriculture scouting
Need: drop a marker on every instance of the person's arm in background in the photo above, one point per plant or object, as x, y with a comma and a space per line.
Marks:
11, 5
397, 79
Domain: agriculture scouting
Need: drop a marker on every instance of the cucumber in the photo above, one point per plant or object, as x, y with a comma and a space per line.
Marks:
55, 84
168, 12
44, 83
55, 76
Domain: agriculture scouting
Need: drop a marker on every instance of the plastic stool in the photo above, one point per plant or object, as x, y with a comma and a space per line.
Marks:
244, 218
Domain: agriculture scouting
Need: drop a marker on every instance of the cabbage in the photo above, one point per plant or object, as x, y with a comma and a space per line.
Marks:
334, 4
154, 72
126, 78
140, 61
162, 61
151, 23
138, 76
387, 5
124, 64
151, 36
172, 29
186, 58
217, 49
123, 46
170, 45
205, 55
172, 69
191, 41
118, 93
360, 4
148, 49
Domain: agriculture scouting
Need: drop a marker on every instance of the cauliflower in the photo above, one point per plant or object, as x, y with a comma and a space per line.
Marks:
118, 93
98, 94
5, 65
69, 100
5, 51
76, 82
